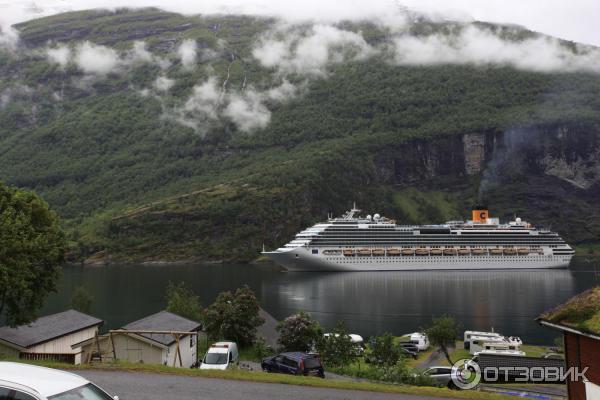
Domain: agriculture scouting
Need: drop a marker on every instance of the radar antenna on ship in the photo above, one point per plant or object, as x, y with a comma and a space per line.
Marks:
350, 214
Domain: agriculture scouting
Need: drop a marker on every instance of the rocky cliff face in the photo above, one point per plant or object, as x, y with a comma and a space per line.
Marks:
548, 174
568, 152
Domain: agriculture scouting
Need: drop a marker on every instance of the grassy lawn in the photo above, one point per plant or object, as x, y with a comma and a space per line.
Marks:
278, 378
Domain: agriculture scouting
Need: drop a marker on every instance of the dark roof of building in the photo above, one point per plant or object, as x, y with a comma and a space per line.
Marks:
163, 321
581, 313
48, 328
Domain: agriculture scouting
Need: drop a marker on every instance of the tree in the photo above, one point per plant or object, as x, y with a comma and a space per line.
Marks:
32, 247
234, 316
298, 332
443, 333
337, 349
383, 351
82, 300
182, 301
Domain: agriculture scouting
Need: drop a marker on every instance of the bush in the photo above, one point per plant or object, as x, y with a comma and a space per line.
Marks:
383, 351
182, 301
337, 349
299, 332
234, 316
261, 349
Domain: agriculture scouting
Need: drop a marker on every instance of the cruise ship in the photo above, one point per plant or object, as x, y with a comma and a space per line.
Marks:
376, 243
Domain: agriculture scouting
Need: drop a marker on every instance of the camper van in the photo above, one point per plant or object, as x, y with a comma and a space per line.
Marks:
480, 343
421, 340
469, 334
221, 355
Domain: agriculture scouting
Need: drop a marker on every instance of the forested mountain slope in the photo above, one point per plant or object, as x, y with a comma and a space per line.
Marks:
158, 136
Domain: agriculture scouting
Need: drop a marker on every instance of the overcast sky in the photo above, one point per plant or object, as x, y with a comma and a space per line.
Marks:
576, 20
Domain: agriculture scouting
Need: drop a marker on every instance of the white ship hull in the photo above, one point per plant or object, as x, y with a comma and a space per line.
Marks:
302, 259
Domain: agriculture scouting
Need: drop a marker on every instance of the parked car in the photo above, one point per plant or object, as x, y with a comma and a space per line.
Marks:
221, 355
29, 382
410, 353
294, 363
441, 376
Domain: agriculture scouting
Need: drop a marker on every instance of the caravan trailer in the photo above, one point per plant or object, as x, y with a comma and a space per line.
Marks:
469, 334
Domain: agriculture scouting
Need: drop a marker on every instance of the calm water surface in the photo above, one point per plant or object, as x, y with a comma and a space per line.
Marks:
369, 302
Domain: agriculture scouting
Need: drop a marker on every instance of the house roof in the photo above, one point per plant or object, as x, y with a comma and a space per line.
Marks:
580, 313
163, 321
48, 328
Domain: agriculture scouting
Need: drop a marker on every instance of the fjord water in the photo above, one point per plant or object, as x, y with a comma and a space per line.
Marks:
369, 302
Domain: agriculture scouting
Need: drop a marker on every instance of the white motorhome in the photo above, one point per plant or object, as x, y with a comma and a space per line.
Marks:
221, 355
469, 334
482, 343
421, 340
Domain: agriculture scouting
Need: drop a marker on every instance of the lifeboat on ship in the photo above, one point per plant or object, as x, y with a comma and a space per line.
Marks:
436, 252
510, 251
496, 252
393, 252
478, 252
378, 252
464, 252
450, 251
523, 251
408, 252
364, 252
422, 251
349, 253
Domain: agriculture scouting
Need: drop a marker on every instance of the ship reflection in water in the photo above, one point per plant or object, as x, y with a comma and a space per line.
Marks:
369, 302
401, 302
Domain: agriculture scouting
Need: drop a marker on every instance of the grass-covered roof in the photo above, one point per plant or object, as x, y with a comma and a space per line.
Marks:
581, 312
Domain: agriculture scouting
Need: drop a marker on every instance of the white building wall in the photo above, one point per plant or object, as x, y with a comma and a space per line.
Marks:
187, 348
63, 344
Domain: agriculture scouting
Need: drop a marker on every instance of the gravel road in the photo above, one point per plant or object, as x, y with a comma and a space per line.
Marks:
147, 386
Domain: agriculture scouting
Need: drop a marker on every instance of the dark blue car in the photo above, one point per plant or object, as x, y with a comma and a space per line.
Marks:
294, 363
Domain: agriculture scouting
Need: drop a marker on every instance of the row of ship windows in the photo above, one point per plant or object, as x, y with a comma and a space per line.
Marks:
428, 259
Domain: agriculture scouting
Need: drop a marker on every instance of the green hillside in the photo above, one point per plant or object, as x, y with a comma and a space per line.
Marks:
134, 181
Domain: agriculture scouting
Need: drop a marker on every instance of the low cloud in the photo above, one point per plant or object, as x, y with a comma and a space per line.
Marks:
96, 59
101, 60
247, 111
163, 84
289, 51
187, 52
477, 46
60, 55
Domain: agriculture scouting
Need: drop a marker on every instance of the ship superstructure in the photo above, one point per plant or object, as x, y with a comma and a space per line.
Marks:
375, 243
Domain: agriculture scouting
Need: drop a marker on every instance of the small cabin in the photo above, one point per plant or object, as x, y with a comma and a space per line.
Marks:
162, 338
49, 337
579, 322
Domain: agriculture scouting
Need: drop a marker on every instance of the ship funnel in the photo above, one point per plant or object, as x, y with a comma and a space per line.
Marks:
480, 214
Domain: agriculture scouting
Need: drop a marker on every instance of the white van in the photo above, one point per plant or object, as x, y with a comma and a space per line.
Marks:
28, 382
421, 340
221, 355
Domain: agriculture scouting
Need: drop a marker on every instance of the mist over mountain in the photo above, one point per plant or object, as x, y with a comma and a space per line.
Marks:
159, 136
